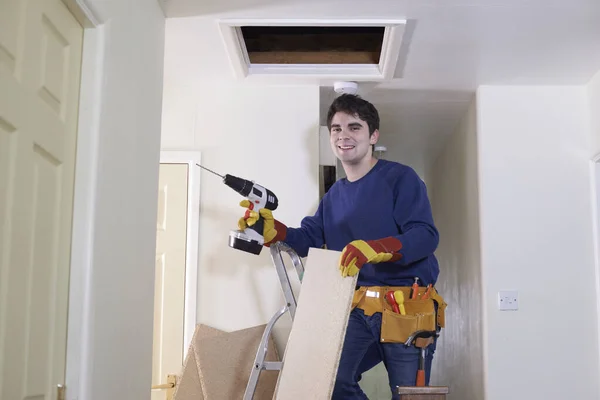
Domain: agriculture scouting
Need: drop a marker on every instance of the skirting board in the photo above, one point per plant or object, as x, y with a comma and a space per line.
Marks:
316, 339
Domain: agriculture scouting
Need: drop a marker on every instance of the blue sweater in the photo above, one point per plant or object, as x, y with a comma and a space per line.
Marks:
390, 200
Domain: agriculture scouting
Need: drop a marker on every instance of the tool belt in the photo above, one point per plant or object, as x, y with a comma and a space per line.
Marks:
421, 314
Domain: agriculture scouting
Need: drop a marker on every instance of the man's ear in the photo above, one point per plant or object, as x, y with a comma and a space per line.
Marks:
374, 137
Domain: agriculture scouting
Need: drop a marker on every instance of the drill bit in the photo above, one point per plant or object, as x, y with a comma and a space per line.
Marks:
210, 170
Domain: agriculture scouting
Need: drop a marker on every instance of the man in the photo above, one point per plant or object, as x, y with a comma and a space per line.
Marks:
380, 218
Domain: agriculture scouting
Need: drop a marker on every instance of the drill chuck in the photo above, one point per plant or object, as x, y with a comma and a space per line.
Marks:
242, 186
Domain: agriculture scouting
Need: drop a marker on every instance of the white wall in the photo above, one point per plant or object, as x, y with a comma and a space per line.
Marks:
112, 283
594, 95
265, 133
396, 151
594, 115
454, 198
536, 238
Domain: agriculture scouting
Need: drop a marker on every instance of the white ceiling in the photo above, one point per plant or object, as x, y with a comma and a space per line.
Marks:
453, 46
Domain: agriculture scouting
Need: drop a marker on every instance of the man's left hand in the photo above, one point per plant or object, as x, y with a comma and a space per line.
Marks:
360, 252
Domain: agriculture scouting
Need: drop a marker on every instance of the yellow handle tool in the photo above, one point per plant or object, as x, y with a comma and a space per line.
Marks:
399, 296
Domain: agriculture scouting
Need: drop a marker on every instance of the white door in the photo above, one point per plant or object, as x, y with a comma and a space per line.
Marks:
169, 295
40, 58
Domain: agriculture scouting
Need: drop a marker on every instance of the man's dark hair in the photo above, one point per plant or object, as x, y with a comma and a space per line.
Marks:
354, 105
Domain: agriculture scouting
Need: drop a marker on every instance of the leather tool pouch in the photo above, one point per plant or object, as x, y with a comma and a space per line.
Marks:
420, 314
428, 314
359, 294
368, 300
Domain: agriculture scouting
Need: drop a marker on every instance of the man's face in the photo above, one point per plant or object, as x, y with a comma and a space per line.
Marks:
349, 138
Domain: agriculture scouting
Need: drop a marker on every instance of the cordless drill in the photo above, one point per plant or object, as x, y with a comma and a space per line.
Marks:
250, 239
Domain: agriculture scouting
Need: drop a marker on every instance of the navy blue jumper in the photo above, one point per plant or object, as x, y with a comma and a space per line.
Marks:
390, 200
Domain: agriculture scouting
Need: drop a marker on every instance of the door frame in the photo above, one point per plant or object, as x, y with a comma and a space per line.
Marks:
192, 159
80, 307
94, 16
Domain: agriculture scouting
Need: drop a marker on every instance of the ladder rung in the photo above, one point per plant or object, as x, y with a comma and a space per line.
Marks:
272, 365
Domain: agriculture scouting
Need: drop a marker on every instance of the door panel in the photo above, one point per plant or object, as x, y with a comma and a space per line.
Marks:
171, 236
40, 58
11, 30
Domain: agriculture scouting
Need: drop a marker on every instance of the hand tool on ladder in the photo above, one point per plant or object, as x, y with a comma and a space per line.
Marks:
250, 239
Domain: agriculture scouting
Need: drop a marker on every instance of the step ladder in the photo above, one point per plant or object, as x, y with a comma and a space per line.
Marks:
277, 250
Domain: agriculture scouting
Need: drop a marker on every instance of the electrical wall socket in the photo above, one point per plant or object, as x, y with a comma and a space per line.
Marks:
508, 300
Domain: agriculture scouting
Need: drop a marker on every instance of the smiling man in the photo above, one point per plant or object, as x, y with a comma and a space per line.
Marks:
380, 218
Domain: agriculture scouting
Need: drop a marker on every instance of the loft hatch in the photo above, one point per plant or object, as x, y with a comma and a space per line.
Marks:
357, 50
313, 44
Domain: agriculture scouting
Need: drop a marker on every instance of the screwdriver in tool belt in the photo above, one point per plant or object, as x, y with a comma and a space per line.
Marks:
399, 297
426, 294
389, 296
415, 289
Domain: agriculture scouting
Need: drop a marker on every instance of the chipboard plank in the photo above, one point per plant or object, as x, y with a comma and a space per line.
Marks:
316, 339
218, 365
190, 386
225, 363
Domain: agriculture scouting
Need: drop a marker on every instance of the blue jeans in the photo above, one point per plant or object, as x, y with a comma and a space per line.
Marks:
362, 351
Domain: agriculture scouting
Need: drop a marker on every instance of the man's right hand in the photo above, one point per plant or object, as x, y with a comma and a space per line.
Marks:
273, 230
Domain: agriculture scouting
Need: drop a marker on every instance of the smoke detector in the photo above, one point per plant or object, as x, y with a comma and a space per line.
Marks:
345, 87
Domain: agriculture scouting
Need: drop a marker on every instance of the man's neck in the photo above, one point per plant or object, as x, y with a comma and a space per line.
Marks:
356, 171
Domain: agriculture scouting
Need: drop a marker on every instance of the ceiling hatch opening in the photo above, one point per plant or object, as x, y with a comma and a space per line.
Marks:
313, 44
320, 50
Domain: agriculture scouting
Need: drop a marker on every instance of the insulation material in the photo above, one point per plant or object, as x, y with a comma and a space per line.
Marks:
218, 365
316, 339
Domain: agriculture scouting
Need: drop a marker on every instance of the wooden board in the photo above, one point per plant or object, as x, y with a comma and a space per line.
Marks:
218, 365
315, 342
189, 386
225, 362
423, 393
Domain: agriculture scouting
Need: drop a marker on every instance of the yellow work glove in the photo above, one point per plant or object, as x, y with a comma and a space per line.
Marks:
360, 252
272, 229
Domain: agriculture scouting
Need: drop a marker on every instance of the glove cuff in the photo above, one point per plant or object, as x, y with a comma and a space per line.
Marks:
281, 233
